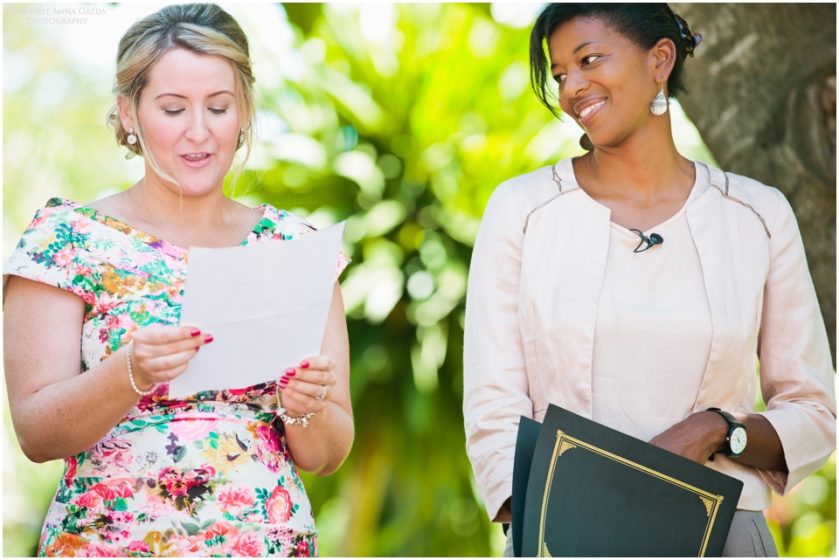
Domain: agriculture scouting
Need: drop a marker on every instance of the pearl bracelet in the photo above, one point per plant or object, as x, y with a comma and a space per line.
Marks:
131, 373
302, 420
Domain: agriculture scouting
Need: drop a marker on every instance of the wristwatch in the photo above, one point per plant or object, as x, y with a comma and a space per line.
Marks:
736, 438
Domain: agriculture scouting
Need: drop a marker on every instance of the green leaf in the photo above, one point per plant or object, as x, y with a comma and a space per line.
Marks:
191, 528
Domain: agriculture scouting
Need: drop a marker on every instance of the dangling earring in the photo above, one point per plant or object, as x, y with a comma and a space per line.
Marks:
659, 105
131, 138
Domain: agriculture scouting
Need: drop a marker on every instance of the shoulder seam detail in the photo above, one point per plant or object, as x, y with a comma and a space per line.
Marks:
558, 182
725, 194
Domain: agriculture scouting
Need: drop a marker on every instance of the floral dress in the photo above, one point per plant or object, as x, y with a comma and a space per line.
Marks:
207, 475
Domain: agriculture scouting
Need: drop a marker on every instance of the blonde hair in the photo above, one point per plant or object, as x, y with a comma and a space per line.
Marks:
201, 28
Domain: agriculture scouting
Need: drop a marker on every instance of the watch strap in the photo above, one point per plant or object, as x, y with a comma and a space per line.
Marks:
732, 425
728, 417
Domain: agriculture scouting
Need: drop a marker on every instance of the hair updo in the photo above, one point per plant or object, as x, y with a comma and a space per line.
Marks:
643, 24
201, 28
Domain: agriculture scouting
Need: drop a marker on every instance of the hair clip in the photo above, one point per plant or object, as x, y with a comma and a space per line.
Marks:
697, 38
691, 40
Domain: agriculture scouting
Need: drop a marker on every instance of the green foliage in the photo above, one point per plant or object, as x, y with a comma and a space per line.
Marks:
400, 119
417, 132
804, 521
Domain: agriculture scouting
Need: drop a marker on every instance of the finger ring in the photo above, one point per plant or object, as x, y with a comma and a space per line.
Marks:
322, 394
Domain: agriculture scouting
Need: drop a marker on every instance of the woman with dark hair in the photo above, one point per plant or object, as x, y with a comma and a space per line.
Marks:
638, 288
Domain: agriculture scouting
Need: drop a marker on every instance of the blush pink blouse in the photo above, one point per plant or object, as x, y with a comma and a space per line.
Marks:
650, 300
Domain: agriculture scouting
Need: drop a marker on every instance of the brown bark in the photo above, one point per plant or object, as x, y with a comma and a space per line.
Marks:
762, 92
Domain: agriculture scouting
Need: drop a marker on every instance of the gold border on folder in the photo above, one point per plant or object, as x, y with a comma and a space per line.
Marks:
564, 443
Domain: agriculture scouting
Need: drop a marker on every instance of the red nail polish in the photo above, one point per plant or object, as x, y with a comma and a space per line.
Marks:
195, 332
283, 380
208, 338
304, 364
291, 371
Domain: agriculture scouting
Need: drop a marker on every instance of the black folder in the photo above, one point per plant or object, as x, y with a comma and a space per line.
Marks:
525, 448
594, 491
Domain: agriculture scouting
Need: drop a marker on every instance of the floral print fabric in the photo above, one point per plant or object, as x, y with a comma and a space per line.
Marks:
207, 475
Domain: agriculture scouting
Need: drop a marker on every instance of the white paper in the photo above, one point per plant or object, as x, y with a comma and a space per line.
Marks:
265, 304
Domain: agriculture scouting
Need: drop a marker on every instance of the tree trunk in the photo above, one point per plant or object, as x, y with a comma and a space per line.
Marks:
762, 92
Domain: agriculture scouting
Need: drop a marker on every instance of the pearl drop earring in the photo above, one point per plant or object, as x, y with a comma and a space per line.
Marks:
659, 105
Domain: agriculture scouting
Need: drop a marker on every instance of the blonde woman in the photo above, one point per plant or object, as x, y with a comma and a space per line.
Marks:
92, 303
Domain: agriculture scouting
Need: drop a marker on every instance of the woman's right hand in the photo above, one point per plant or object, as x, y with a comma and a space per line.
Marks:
162, 353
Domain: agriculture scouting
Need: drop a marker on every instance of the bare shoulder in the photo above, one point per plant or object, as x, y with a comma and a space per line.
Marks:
245, 214
112, 205
244, 209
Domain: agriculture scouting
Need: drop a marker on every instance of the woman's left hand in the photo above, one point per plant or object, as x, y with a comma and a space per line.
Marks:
320, 386
306, 388
696, 437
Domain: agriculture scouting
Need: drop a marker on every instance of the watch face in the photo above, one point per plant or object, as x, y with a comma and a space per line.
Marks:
738, 440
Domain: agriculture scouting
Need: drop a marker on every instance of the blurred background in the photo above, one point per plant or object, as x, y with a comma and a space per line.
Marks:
400, 119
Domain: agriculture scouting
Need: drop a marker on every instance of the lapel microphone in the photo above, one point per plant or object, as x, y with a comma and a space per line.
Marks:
646, 242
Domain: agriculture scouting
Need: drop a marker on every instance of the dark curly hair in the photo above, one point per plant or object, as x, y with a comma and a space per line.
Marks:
644, 24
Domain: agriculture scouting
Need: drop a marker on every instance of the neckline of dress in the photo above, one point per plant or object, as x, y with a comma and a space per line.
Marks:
144, 237
565, 170
658, 228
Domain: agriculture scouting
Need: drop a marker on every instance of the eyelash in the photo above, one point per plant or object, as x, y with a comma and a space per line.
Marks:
175, 112
559, 78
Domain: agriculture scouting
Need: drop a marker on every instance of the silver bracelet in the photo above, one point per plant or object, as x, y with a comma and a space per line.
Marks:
131, 373
302, 420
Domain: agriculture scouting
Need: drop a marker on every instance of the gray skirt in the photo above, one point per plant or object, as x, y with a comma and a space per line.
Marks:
749, 537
